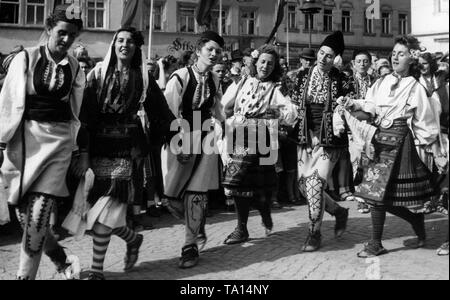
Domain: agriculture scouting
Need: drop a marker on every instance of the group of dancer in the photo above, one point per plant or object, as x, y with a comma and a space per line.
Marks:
54, 120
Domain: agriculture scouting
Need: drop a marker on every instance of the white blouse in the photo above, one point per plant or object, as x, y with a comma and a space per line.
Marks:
175, 90
408, 100
251, 98
18, 84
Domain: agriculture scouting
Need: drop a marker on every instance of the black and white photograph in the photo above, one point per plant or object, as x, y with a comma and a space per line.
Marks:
224, 144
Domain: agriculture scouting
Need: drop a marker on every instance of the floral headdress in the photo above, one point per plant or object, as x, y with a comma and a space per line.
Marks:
415, 53
255, 54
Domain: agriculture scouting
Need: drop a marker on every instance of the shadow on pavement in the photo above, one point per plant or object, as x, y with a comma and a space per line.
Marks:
284, 244
11, 233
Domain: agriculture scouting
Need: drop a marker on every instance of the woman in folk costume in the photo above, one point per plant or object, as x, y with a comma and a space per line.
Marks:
395, 179
39, 107
443, 92
360, 84
437, 90
316, 93
428, 69
193, 95
254, 104
438, 98
112, 141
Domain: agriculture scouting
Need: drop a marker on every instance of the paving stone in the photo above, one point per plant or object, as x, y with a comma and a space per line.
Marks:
262, 258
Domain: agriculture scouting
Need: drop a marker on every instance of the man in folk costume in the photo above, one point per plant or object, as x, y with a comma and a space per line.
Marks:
193, 95
322, 138
39, 107
360, 83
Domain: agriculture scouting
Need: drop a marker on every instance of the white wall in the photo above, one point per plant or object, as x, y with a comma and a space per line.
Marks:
429, 25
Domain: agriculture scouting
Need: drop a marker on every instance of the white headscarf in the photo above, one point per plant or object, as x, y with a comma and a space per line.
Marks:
102, 68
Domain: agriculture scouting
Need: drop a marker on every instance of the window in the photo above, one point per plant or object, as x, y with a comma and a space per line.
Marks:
93, 12
158, 16
386, 23
248, 22
309, 22
327, 20
186, 21
96, 14
441, 6
9, 11
403, 24
35, 12
346, 21
215, 20
368, 25
292, 17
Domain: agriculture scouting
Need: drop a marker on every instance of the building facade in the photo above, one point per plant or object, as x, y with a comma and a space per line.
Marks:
390, 19
430, 24
245, 23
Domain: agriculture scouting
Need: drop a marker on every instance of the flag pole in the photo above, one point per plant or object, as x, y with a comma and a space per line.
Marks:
287, 35
150, 30
220, 17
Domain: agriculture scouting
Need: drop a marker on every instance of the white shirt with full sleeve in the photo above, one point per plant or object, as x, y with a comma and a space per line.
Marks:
408, 100
194, 176
251, 98
38, 153
247, 102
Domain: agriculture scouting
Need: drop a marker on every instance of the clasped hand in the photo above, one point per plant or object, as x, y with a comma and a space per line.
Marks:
346, 102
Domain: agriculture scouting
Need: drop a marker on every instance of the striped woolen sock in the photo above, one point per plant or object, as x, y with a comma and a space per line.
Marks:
378, 219
126, 234
101, 242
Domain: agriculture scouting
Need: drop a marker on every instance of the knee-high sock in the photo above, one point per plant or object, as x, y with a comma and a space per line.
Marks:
195, 206
51, 247
126, 234
313, 188
417, 221
242, 209
101, 236
378, 214
34, 217
264, 207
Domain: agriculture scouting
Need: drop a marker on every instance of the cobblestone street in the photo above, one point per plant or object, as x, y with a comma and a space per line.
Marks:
273, 258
